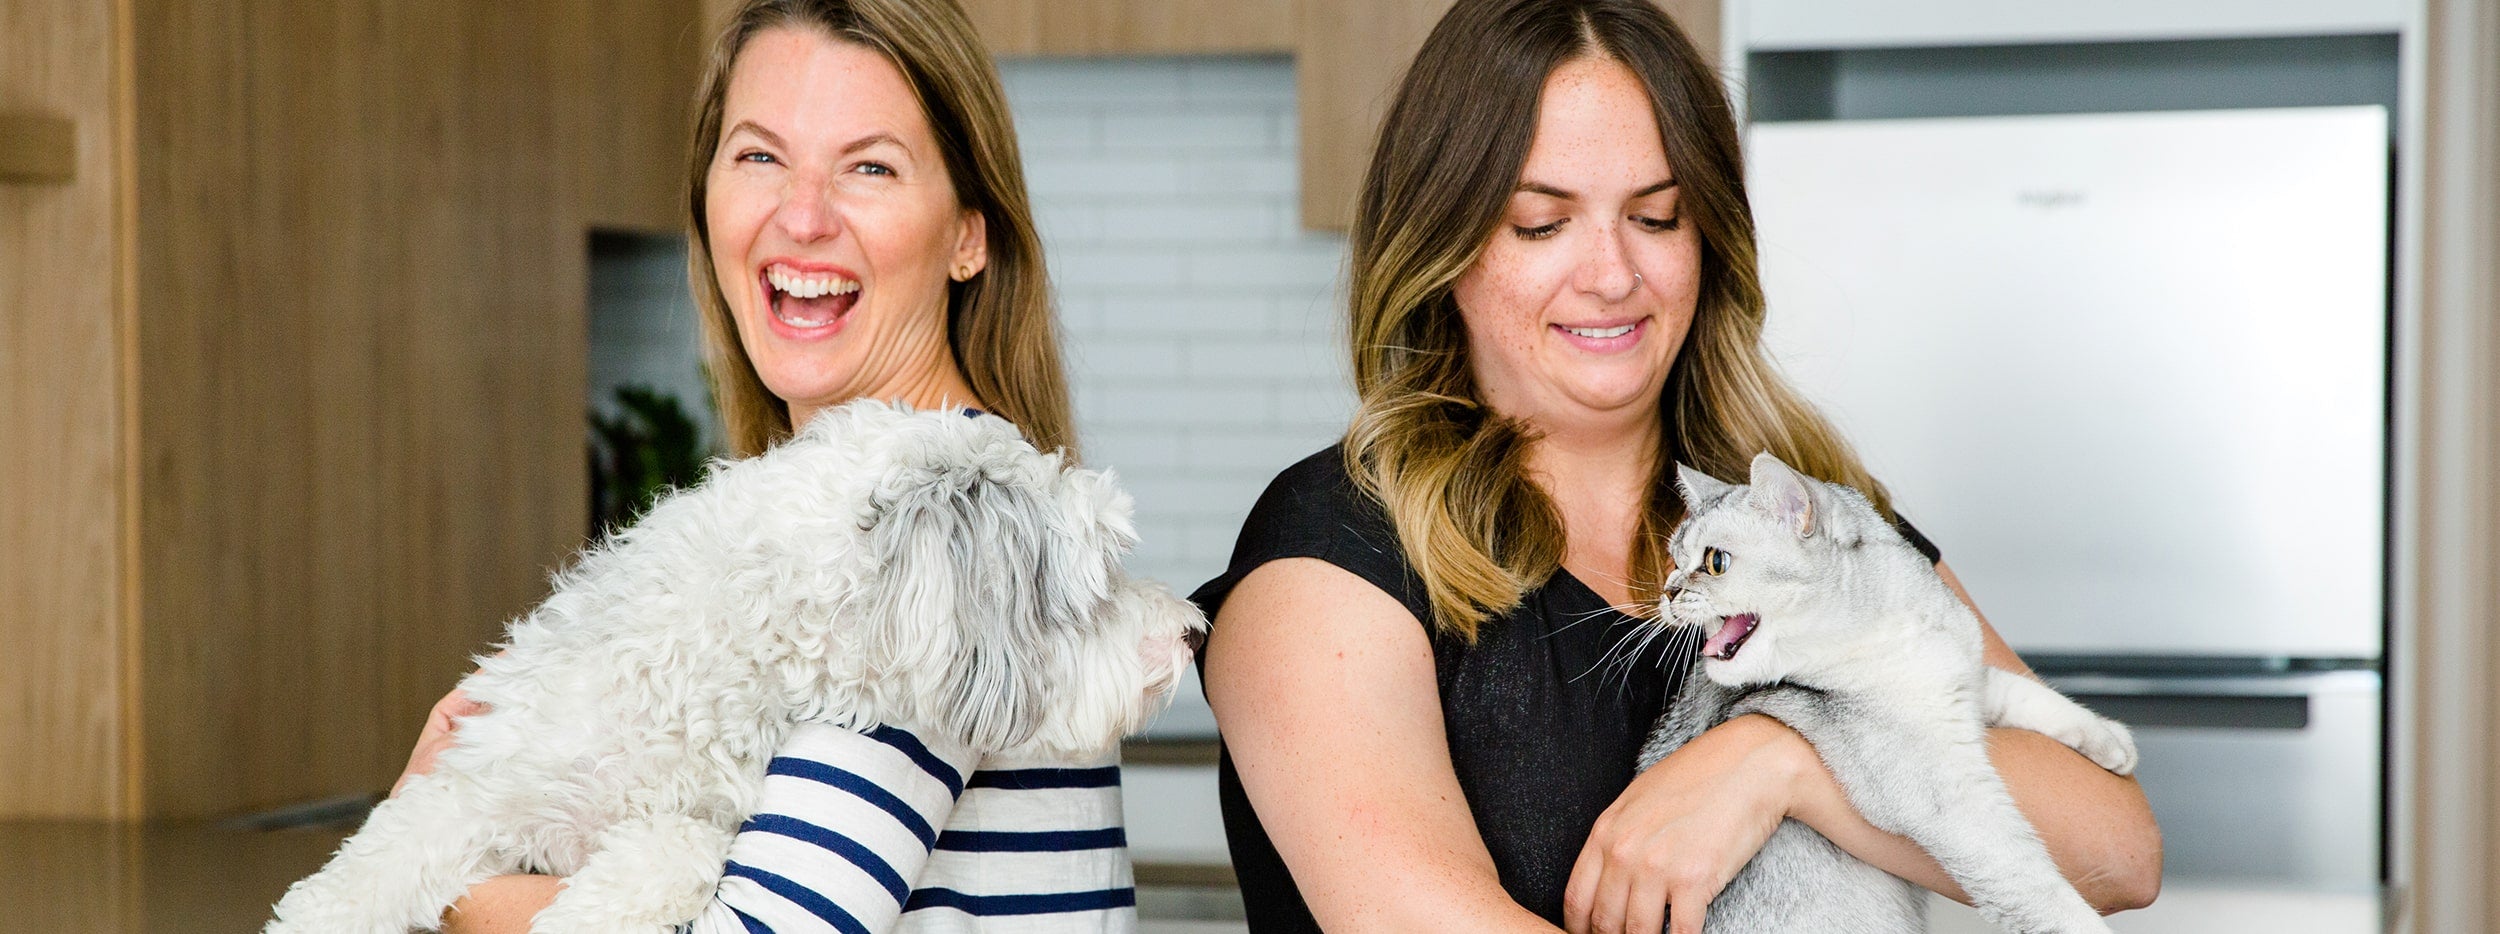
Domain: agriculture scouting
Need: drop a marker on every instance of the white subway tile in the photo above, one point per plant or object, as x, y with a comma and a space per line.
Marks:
1054, 131
1194, 495
1300, 267
1067, 222
1221, 175
1178, 406
1264, 451
1034, 81
1314, 316
1187, 313
1134, 451
1315, 407
1286, 362
1129, 266
1078, 314
1208, 545
1244, 80
1128, 175
1130, 132
1128, 358
1195, 220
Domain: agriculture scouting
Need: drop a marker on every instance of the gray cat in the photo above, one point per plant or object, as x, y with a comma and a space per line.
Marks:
1819, 614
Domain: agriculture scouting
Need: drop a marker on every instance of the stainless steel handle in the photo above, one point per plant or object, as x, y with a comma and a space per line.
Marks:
2254, 702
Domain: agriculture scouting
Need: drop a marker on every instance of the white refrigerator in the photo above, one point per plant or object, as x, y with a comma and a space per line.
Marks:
2130, 372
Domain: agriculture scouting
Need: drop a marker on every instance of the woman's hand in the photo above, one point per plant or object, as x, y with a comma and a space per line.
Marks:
441, 726
1666, 847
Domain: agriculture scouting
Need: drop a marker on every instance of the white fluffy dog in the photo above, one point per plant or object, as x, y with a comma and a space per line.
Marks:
929, 571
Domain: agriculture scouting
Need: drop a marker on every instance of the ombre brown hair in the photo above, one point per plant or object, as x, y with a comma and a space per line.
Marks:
999, 324
1451, 472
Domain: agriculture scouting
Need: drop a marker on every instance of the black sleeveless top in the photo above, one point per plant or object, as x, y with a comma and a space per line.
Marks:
1543, 727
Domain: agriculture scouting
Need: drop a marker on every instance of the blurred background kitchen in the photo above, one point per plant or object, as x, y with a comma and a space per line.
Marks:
326, 330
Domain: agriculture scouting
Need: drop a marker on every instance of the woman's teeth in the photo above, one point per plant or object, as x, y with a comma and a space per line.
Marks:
809, 285
1602, 333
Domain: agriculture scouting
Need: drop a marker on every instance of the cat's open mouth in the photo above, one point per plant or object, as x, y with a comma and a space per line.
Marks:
1733, 631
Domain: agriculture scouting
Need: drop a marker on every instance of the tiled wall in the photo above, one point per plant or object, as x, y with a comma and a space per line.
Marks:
1203, 322
642, 323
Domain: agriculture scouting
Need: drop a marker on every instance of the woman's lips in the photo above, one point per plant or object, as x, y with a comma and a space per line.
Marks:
807, 301
1610, 337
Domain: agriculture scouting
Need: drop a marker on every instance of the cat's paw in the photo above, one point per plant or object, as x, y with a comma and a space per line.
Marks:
2109, 744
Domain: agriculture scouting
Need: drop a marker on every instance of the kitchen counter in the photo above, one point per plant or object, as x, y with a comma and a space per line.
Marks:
93, 878
200, 878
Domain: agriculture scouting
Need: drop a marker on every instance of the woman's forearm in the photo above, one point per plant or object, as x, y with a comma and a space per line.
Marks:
501, 905
2096, 825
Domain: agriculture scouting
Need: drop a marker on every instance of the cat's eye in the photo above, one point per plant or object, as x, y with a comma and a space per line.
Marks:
1713, 561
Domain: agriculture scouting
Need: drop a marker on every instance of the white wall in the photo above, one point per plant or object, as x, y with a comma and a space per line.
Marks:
1203, 322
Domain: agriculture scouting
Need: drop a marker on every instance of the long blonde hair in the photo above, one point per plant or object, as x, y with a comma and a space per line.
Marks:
1451, 472
999, 323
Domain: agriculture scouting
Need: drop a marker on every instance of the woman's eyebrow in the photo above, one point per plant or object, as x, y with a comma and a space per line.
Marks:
1654, 189
873, 139
751, 126
1541, 188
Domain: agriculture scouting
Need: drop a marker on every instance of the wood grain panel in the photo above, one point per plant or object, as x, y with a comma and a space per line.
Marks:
629, 69
1007, 27
362, 365
1166, 27
37, 148
62, 613
1349, 60
1351, 57
1133, 27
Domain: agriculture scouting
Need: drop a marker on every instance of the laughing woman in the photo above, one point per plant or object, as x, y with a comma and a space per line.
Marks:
1553, 301
861, 231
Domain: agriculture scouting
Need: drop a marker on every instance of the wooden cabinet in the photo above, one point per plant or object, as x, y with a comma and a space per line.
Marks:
625, 107
1133, 27
293, 388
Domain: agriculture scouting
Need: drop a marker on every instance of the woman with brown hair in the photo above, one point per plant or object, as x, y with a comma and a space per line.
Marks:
1554, 299
860, 230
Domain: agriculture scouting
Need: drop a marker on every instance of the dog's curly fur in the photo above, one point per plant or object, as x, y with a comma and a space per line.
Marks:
923, 570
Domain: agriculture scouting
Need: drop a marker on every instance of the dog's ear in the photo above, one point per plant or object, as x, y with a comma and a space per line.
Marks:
968, 588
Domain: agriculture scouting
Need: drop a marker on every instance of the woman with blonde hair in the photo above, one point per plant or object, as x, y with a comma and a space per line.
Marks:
1554, 299
860, 230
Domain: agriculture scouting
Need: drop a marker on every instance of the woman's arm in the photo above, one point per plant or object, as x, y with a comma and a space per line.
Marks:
843, 826
1685, 827
501, 905
2097, 825
1325, 691
844, 823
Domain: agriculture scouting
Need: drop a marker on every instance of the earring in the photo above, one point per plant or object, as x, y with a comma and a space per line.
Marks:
963, 273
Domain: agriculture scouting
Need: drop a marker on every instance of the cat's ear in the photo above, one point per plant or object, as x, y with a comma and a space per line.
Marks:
1784, 493
1700, 490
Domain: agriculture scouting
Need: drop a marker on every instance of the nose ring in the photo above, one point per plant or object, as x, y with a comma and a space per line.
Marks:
1636, 283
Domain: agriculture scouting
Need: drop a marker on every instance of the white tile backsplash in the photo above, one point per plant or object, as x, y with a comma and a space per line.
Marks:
1201, 318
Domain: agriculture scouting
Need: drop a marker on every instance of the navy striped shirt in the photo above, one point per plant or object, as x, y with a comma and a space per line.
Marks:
882, 831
